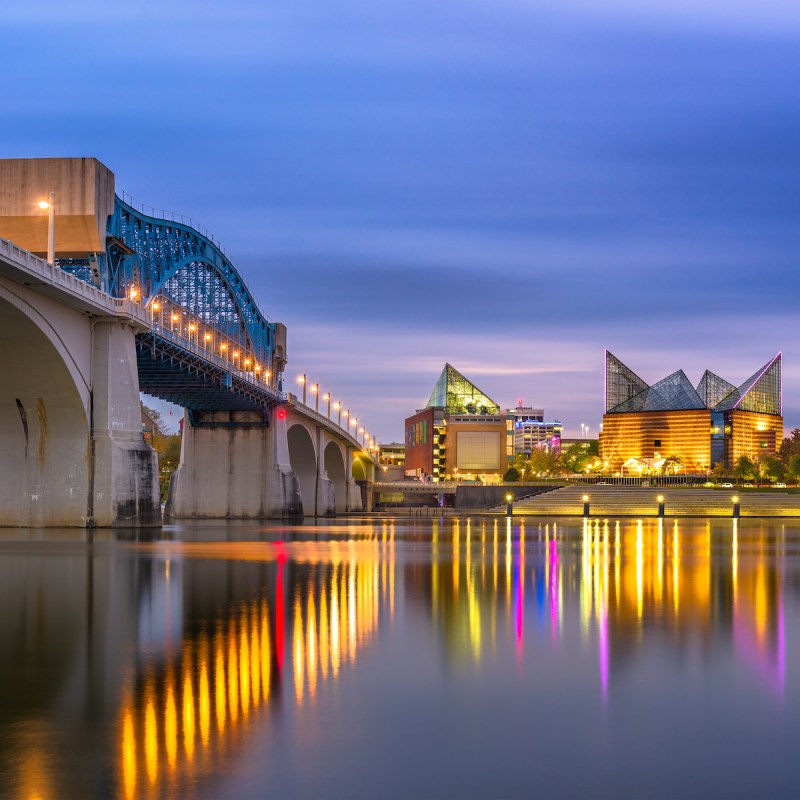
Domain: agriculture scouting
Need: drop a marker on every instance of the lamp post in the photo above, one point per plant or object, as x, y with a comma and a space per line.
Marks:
509, 505
315, 392
51, 227
302, 379
328, 398
338, 406
586, 506
661, 505
346, 418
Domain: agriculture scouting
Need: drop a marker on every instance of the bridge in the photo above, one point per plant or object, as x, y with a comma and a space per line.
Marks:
131, 301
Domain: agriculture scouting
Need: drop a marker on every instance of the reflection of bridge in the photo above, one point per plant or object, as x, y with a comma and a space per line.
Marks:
139, 302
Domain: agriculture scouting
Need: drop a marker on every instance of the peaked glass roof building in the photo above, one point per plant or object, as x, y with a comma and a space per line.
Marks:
457, 395
626, 392
698, 426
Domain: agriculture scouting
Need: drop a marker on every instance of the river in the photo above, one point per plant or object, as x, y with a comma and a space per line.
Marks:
370, 658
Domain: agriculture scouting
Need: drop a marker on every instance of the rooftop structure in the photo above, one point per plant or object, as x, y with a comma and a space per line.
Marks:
714, 422
457, 395
459, 434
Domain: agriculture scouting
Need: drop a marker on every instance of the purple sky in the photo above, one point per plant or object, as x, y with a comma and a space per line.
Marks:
509, 186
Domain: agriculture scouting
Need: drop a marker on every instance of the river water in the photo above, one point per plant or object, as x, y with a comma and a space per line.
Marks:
403, 658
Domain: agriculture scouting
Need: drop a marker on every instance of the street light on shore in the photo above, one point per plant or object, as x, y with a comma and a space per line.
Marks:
51, 227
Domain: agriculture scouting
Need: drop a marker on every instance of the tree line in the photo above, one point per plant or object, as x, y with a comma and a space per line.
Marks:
578, 460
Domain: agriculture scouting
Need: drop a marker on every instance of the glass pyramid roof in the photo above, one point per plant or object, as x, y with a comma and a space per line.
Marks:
761, 392
622, 383
626, 392
713, 389
460, 396
673, 393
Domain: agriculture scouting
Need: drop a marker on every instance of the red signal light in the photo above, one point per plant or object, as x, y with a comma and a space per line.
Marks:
281, 413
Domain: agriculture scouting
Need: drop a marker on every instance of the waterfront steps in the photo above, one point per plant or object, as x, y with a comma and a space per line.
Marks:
639, 501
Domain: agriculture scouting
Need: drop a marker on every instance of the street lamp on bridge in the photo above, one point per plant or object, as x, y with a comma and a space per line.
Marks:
346, 417
51, 227
328, 398
315, 392
302, 379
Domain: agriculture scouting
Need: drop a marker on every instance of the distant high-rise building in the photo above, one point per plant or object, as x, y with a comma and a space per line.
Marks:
532, 431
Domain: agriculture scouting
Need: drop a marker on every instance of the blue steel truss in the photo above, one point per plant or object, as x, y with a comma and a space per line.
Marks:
156, 257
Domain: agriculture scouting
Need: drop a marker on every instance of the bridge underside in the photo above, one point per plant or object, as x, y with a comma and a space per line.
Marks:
171, 372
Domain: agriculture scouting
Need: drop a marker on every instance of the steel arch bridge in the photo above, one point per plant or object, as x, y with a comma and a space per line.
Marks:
209, 347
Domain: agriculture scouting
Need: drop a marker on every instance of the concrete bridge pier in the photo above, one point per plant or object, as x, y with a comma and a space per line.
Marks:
73, 453
325, 495
234, 465
124, 474
354, 499
246, 465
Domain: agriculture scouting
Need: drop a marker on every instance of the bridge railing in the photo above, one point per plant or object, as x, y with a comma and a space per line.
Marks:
35, 266
193, 347
345, 433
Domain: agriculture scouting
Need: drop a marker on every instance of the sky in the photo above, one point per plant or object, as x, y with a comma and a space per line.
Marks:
510, 186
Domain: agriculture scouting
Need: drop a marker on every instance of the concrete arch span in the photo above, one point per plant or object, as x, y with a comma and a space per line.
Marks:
303, 458
334, 464
359, 469
73, 453
45, 460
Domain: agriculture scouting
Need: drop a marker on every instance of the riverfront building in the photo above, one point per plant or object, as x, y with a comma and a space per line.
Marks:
699, 427
531, 430
460, 433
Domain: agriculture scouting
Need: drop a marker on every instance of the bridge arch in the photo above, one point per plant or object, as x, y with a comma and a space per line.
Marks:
334, 464
303, 458
44, 426
359, 469
166, 252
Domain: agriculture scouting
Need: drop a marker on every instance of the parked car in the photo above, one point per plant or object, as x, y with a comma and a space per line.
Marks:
747, 486
726, 485
778, 485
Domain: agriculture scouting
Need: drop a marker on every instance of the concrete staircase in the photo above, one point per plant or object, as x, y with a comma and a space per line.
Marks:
637, 501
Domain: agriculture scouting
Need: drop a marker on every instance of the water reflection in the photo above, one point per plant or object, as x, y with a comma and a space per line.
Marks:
185, 713
168, 656
631, 582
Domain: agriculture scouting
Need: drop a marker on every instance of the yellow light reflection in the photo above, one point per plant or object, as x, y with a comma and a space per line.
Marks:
170, 723
128, 754
188, 711
150, 734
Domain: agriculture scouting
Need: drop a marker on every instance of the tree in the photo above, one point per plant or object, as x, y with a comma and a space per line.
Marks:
575, 458
544, 462
790, 446
672, 465
771, 468
793, 467
744, 469
522, 465
720, 471
511, 475
158, 420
